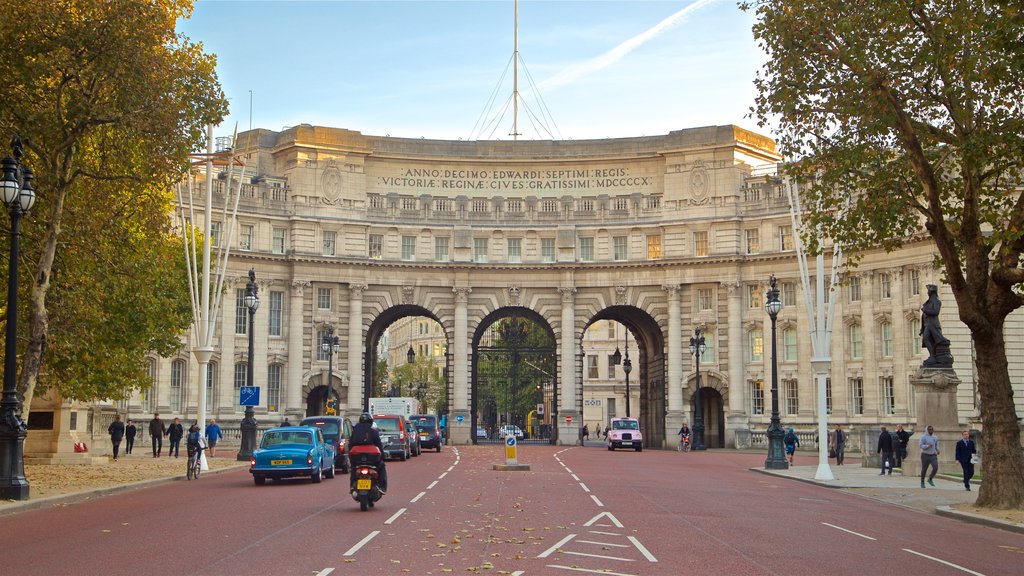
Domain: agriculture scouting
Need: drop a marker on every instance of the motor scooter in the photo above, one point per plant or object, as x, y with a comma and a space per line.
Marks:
365, 481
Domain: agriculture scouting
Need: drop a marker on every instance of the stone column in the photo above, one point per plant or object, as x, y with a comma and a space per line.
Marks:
293, 381
568, 432
459, 432
935, 398
737, 416
674, 378
261, 329
356, 401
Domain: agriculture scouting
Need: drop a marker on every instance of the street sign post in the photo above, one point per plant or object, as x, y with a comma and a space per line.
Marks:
249, 396
511, 449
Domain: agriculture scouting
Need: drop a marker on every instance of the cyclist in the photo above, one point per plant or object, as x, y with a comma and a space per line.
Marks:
684, 437
194, 445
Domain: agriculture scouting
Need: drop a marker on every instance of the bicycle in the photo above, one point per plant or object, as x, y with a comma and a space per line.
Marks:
195, 463
684, 444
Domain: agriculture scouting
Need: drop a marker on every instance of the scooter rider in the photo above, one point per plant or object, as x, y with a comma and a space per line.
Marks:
365, 434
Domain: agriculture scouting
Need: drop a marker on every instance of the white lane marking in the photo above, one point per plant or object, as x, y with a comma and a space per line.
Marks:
517, 573
557, 545
575, 477
567, 469
361, 543
584, 486
596, 501
432, 484
442, 476
418, 496
643, 550
603, 543
950, 564
395, 516
604, 533
610, 516
449, 469
597, 556
845, 530
575, 569
325, 572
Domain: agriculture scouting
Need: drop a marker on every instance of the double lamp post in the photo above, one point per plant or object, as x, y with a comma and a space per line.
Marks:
698, 347
331, 345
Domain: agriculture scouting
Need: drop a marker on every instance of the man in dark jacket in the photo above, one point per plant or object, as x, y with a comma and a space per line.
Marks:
174, 432
157, 429
965, 451
885, 449
129, 436
116, 431
901, 449
364, 434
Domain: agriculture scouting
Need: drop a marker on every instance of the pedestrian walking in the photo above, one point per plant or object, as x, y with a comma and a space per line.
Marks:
586, 432
929, 455
116, 431
157, 429
901, 450
213, 434
885, 449
837, 441
129, 436
605, 432
965, 451
174, 433
791, 440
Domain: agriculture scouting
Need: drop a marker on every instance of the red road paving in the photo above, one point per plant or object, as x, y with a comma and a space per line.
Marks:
578, 510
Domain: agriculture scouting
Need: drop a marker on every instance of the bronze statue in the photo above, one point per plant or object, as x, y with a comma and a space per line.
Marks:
939, 355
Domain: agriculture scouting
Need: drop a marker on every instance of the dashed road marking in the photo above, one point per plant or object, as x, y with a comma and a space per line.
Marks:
850, 531
556, 546
325, 572
643, 550
950, 564
575, 477
441, 477
361, 543
584, 486
432, 484
577, 569
395, 516
418, 496
596, 501
597, 556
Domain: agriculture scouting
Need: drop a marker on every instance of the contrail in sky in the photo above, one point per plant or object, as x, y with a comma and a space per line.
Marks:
619, 52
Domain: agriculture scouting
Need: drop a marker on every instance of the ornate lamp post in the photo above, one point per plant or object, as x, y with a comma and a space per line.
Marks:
776, 456
252, 302
331, 345
697, 347
410, 355
19, 197
627, 367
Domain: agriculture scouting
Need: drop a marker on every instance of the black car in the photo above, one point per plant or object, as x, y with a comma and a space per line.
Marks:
430, 434
337, 431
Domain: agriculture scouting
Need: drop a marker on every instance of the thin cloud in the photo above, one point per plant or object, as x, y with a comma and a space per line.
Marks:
612, 56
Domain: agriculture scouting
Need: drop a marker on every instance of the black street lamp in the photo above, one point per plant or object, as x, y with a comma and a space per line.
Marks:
19, 197
697, 347
331, 345
627, 367
776, 456
252, 302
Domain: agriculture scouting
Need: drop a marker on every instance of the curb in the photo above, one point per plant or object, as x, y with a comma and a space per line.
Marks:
821, 483
62, 499
973, 518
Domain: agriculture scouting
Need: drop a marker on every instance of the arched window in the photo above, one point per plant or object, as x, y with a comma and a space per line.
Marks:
177, 379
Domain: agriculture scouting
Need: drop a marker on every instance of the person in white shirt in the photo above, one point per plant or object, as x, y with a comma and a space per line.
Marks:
929, 455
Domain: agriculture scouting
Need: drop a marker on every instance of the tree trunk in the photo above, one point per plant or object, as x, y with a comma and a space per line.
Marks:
1003, 484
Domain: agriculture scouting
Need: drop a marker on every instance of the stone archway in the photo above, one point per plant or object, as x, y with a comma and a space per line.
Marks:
376, 330
713, 410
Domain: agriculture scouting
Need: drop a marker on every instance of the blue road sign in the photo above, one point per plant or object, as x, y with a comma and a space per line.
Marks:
459, 418
510, 441
249, 396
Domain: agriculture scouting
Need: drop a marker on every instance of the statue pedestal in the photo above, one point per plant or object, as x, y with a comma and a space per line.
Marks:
935, 401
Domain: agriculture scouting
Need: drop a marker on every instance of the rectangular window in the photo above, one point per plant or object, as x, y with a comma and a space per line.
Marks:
547, 249
856, 342
323, 298
612, 412
757, 397
853, 289
785, 237
752, 240
708, 356
479, 249
620, 248
700, 243
788, 294
885, 341
408, 248
828, 395
241, 376
592, 367
792, 392
441, 249
276, 305
755, 343
888, 395
376, 246
915, 345
586, 249
914, 282
884, 286
278, 241
611, 328
245, 238
321, 354
789, 345
274, 388
241, 312
329, 238
177, 377
857, 396
654, 247
515, 250
211, 385
611, 366
214, 234
704, 299
754, 299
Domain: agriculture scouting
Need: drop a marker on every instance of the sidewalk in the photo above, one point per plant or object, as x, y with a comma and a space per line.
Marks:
946, 498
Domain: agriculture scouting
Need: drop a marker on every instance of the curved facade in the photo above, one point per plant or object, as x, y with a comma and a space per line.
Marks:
663, 234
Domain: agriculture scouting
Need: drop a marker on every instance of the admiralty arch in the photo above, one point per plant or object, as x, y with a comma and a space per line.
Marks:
350, 233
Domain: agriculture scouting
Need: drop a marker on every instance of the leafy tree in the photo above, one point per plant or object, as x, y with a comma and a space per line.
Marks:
912, 110
109, 101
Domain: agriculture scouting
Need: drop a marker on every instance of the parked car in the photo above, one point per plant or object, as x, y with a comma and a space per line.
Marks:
625, 433
481, 433
291, 451
413, 438
428, 431
392, 435
337, 432
512, 429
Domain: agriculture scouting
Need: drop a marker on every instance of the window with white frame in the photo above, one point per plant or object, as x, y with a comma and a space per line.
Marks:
211, 385
515, 250
408, 248
241, 377
913, 282
214, 234
612, 328
146, 395
757, 397
587, 249
700, 243
888, 395
245, 237
479, 249
653, 246
855, 341
792, 391
754, 299
857, 396
708, 356
853, 288
277, 241
276, 306
915, 345
752, 239
788, 294
755, 345
789, 345
177, 378
828, 395
592, 373
329, 242
785, 237
885, 339
323, 298
274, 388
547, 250
885, 286
375, 246
705, 299
441, 249
620, 248
321, 337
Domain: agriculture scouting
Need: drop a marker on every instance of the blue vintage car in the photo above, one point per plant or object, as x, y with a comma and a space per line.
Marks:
292, 451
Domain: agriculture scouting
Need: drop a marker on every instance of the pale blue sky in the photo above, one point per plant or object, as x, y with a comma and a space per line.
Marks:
430, 68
